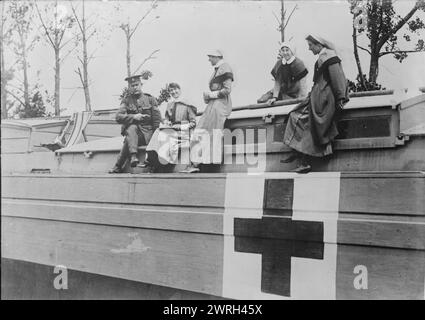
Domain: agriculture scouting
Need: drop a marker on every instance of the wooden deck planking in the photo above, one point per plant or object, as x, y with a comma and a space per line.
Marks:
20, 145
130, 190
400, 196
199, 220
15, 133
410, 157
24, 162
407, 235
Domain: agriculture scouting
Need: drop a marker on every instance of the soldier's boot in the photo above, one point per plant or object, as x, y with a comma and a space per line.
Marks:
144, 164
115, 169
119, 165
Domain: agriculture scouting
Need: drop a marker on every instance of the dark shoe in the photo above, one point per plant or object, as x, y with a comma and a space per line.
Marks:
115, 169
134, 161
292, 157
150, 169
303, 168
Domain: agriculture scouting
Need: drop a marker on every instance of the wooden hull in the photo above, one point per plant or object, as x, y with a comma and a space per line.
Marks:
31, 281
266, 236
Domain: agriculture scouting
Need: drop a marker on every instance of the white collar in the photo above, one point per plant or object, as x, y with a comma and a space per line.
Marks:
219, 63
175, 100
322, 51
182, 99
288, 61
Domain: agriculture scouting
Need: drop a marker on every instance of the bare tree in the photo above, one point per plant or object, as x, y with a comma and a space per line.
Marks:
129, 32
86, 33
21, 13
5, 73
55, 22
382, 26
282, 20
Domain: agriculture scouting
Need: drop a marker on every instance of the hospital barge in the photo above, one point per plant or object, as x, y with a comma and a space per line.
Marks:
353, 228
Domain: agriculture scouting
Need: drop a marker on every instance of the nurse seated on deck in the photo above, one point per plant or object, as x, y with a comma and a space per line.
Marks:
289, 74
174, 133
311, 126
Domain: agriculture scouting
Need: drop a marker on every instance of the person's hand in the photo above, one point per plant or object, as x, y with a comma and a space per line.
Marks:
206, 97
271, 101
167, 123
340, 104
176, 126
185, 127
280, 55
138, 117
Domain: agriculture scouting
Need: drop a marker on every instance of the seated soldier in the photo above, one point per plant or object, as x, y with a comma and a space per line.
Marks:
289, 74
140, 117
166, 142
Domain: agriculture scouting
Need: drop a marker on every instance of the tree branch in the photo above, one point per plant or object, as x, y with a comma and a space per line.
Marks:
399, 51
67, 54
277, 19
16, 98
400, 24
72, 95
32, 44
153, 6
71, 88
364, 49
62, 34
16, 87
44, 25
289, 18
92, 55
75, 37
76, 16
78, 71
146, 59
91, 35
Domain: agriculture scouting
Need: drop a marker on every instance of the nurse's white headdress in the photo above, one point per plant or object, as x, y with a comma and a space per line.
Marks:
321, 40
289, 46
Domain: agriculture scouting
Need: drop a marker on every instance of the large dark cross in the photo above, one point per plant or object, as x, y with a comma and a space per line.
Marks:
278, 238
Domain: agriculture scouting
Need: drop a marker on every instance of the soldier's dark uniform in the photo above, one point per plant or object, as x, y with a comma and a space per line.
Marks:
136, 132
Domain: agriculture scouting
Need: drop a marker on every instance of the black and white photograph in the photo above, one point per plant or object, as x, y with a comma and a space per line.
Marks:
223, 152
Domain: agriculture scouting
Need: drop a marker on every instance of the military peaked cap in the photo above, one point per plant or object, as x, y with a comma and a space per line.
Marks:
133, 79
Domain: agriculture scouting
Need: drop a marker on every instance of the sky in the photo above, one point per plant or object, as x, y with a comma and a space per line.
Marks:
183, 31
